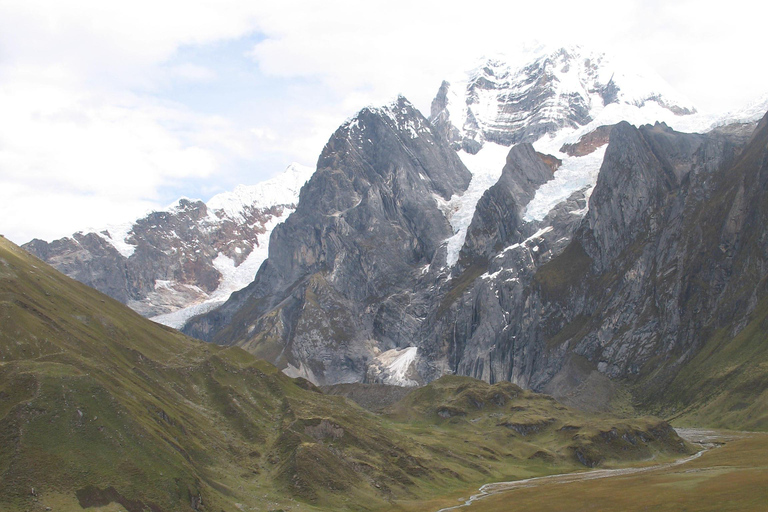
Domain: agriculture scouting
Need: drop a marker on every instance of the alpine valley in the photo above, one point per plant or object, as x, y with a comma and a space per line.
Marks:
569, 228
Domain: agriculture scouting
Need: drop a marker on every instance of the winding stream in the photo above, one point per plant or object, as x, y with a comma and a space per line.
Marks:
707, 439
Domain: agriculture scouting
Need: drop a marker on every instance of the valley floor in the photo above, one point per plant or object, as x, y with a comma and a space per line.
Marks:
731, 474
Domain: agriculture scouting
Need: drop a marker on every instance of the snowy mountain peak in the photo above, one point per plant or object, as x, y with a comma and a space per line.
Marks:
566, 88
282, 189
551, 100
187, 258
399, 114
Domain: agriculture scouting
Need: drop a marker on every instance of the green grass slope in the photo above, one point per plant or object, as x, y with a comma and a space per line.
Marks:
104, 410
99, 406
730, 478
531, 428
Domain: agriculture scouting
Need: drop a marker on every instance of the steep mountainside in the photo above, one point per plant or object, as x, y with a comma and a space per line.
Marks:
185, 260
649, 275
670, 256
589, 265
599, 258
100, 407
335, 291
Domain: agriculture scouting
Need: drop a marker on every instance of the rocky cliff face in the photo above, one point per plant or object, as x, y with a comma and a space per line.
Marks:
576, 267
336, 291
659, 263
600, 257
618, 283
192, 255
497, 221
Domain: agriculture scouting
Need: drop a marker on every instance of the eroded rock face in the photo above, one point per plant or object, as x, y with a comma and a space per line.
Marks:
588, 142
357, 278
497, 221
651, 271
88, 258
337, 285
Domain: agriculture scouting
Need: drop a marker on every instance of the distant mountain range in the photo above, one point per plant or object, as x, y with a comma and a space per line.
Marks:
569, 225
173, 264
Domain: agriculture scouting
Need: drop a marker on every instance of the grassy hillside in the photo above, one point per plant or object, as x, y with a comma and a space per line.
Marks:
101, 408
530, 427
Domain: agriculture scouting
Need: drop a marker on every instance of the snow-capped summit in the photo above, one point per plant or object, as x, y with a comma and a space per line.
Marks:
553, 100
566, 88
281, 189
185, 259
398, 113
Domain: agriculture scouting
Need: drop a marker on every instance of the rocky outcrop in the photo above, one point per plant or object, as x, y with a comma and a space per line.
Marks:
615, 285
440, 117
640, 169
357, 277
90, 259
335, 290
650, 273
497, 221
588, 142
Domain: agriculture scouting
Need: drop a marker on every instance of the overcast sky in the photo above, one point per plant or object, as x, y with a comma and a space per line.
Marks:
109, 109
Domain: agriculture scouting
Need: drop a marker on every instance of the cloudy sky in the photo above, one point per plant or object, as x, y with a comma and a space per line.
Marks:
109, 109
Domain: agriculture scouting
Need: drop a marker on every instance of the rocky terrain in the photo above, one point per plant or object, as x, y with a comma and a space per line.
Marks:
593, 262
566, 88
329, 299
568, 225
185, 260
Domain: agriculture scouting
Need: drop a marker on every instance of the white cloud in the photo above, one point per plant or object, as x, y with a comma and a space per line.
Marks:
82, 211
379, 48
84, 133
192, 73
90, 121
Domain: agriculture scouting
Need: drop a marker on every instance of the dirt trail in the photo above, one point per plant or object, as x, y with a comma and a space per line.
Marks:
707, 439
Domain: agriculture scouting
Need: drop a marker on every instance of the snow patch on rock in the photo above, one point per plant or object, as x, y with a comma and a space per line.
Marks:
233, 278
574, 174
302, 371
283, 189
395, 367
116, 234
486, 167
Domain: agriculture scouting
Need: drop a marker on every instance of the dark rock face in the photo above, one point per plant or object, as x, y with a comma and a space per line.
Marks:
640, 169
660, 294
497, 220
88, 258
171, 262
659, 263
441, 120
670, 250
342, 266
359, 268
